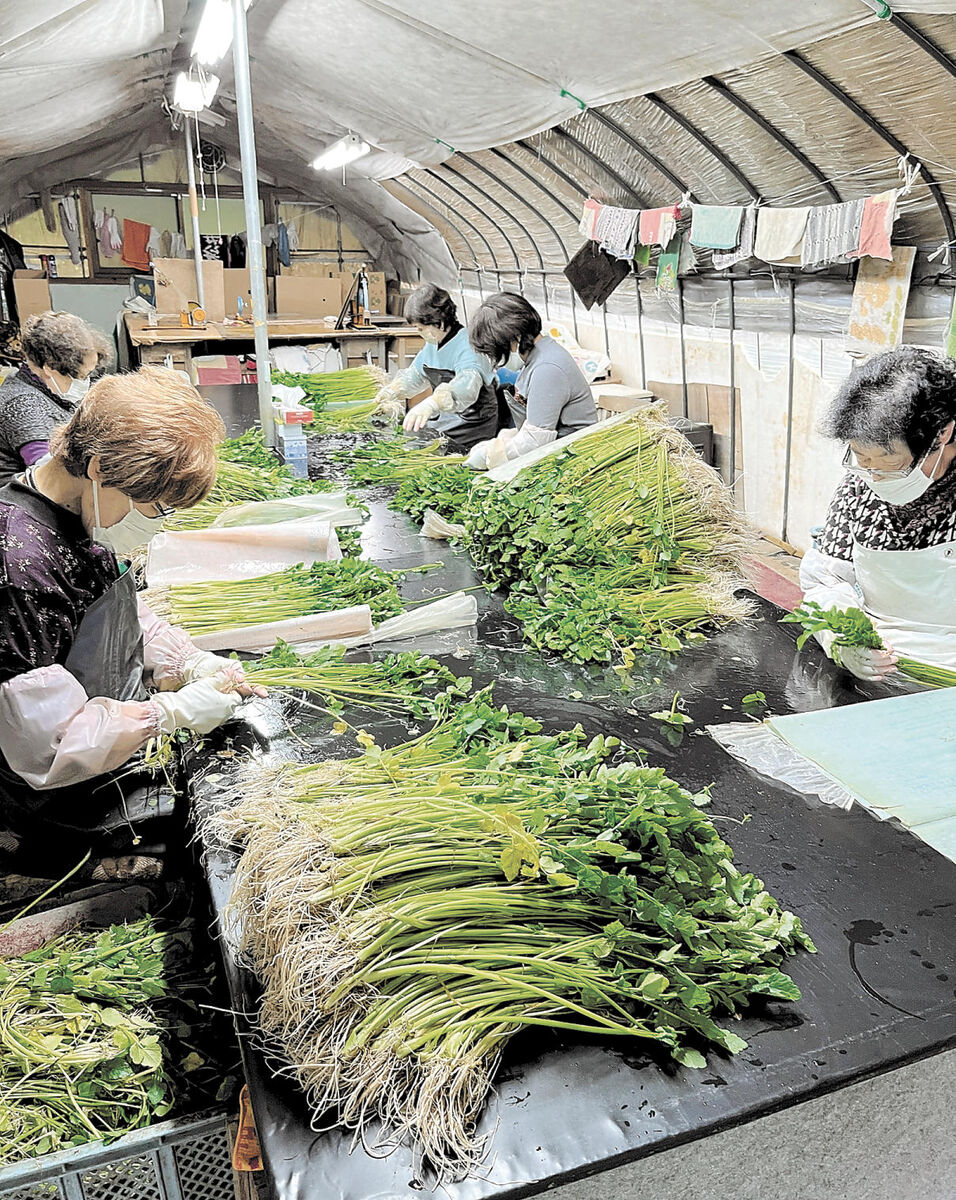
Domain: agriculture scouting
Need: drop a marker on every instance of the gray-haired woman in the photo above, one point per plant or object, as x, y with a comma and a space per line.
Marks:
60, 352
889, 542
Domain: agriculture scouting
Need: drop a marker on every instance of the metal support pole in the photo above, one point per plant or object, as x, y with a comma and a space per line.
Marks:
640, 329
785, 523
683, 350
194, 210
250, 198
733, 392
607, 337
574, 314
544, 290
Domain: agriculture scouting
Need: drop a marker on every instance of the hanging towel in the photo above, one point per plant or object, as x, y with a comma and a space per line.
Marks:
744, 248
716, 226
780, 235
879, 303
283, 240
876, 229
177, 247
154, 245
70, 225
114, 236
212, 247
135, 240
833, 233
594, 274
657, 226
642, 256
270, 234
237, 250
668, 265
293, 235
616, 231
165, 244
589, 216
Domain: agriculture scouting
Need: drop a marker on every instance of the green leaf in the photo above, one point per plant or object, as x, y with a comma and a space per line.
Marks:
689, 1058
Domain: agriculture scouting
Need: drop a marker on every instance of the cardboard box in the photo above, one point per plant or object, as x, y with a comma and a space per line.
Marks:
176, 286
307, 296
377, 297
32, 291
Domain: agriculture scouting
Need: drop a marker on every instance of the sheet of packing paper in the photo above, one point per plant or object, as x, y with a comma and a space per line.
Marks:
896, 757
242, 552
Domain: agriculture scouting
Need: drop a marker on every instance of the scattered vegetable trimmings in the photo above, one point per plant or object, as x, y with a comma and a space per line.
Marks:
853, 627
624, 540
398, 682
88, 1038
293, 592
411, 909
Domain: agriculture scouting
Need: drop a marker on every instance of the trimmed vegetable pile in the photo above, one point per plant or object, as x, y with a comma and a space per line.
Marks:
343, 401
394, 460
854, 628
396, 683
85, 1027
293, 592
410, 910
623, 541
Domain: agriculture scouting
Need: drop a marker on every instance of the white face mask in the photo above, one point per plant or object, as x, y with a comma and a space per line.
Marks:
76, 390
133, 530
515, 362
432, 335
910, 487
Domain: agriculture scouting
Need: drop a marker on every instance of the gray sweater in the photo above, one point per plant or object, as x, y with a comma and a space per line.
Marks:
555, 391
28, 413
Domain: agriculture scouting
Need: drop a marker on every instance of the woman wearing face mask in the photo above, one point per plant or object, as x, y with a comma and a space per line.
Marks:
464, 404
79, 654
889, 542
552, 397
60, 353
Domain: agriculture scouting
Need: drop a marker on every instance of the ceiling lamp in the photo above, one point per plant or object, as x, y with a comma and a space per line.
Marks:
345, 150
214, 35
192, 95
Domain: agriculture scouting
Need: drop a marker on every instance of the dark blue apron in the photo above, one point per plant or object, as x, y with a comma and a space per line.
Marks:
476, 424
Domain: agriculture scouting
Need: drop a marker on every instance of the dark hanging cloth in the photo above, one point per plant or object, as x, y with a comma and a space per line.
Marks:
237, 250
594, 274
11, 259
215, 247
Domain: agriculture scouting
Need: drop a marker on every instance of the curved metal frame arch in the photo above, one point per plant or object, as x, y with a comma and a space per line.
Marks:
428, 192
471, 183
592, 157
619, 131
461, 195
924, 42
521, 199
878, 128
702, 139
769, 128
553, 167
516, 166
444, 221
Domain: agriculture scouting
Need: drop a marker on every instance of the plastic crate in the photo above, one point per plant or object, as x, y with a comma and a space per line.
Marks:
186, 1159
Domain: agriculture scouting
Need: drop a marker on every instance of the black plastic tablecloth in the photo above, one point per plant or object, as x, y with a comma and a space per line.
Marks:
878, 902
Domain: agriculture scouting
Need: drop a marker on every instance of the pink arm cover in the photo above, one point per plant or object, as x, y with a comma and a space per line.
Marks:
53, 735
165, 650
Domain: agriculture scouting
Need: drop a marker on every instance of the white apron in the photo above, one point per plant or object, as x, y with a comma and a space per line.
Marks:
910, 595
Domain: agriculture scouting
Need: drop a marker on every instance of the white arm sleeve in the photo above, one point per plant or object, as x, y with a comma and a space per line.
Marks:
530, 437
831, 583
410, 383
465, 388
53, 735
165, 649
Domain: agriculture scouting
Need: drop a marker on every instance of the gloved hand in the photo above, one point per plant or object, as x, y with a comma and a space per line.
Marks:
477, 459
390, 402
201, 665
199, 706
863, 662
417, 417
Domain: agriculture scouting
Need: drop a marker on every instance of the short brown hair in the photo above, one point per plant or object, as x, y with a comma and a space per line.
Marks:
61, 340
155, 436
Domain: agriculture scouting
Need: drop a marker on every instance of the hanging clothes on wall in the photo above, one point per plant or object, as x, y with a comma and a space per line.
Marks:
165, 244
657, 226
833, 233
70, 225
615, 231
780, 233
270, 234
135, 241
108, 236
283, 241
589, 216
642, 256
293, 235
716, 226
214, 247
876, 228
668, 265
154, 245
237, 250
177, 246
744, 248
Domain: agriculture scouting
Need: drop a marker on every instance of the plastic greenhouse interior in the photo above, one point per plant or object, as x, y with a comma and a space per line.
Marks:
477, 600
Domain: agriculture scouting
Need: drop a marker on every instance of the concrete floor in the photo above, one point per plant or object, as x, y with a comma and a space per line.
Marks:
889, 1138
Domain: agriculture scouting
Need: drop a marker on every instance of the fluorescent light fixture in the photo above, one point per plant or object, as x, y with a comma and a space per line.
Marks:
214, 35
192, 95
345, 150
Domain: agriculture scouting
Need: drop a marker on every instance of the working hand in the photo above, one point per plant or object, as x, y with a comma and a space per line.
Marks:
389, 402
201, 706
417, 417
477, 459
863, 662
201, 665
